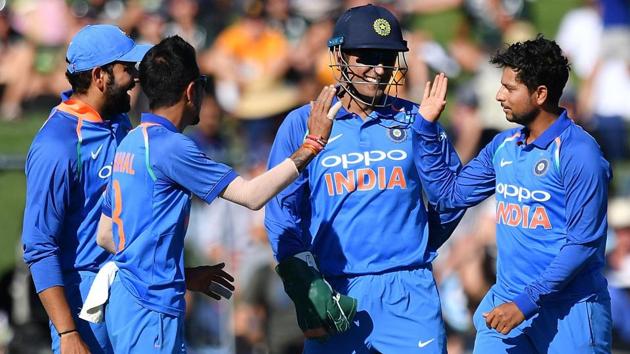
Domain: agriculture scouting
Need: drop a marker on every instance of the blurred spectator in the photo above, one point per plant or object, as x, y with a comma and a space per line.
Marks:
465, 270
184, 14
37, 63
281, 18
596, 37
466, 124
619, 273
152, 29
14, 60
486, 20
267, 303
249, 60
209, 133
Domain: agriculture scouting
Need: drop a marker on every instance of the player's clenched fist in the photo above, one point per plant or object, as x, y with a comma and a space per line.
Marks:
504, 318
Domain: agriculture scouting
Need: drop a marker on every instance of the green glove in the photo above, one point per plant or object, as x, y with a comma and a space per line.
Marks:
316, 303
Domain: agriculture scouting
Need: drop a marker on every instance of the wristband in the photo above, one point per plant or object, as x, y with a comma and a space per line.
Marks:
311, 148
317, 139
67, 332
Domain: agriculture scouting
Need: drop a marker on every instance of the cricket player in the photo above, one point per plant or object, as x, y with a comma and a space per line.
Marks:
156, 171
550, 182
356, 217
67, 169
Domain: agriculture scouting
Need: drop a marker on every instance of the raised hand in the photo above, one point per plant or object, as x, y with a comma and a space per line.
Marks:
434, 98
322, 114
203, 279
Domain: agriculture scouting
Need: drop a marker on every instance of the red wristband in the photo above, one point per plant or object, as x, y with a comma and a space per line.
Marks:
318, 139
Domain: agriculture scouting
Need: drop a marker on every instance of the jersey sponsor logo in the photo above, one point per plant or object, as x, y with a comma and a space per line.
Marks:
105, 171
366, 177
518, 215
365, 158
123, 163
522, 194
526, 216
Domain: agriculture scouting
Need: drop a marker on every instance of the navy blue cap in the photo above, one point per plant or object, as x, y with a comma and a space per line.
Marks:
97, 45
368, 27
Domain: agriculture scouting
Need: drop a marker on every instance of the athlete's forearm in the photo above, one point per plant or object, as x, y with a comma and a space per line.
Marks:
105, 235
448, 186
56, 306
565, 266
255, 193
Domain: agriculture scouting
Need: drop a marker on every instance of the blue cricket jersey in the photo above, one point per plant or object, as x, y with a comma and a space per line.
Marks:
67, 169
358, 206
156, 171
551, 208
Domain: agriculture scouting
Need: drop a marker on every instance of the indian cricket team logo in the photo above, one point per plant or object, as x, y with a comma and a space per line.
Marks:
541, 167
397, 134
382, 27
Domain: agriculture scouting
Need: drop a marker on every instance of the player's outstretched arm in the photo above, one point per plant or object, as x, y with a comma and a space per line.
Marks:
255, 193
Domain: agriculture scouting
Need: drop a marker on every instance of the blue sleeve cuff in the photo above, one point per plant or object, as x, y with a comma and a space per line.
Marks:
220, 186
424, 127
106, 210
526, 305
46, 273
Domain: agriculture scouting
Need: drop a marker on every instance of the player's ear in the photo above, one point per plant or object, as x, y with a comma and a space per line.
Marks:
190, 92
99, 78
541, 95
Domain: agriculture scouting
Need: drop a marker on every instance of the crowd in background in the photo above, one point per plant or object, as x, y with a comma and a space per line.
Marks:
266, 57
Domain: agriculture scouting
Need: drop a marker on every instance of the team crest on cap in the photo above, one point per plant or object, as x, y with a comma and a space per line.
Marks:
382, 27
541, 167
397, 134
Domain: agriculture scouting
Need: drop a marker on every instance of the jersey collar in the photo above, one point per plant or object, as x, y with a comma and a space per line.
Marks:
155, 119
80, 109
377, 112
554, 130
343, 113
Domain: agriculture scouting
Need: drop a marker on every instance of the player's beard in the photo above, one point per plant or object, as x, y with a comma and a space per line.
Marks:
526, 118
116, 98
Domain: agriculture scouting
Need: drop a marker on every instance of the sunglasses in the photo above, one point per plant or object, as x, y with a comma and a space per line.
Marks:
375, 57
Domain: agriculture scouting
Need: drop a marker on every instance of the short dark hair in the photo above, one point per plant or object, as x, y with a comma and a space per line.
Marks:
537, 62
80, 81
166, 70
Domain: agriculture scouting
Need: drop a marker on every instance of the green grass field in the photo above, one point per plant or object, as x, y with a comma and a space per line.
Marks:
15, 137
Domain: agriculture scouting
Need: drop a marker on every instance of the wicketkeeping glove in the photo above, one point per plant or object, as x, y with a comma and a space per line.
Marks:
316, 303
